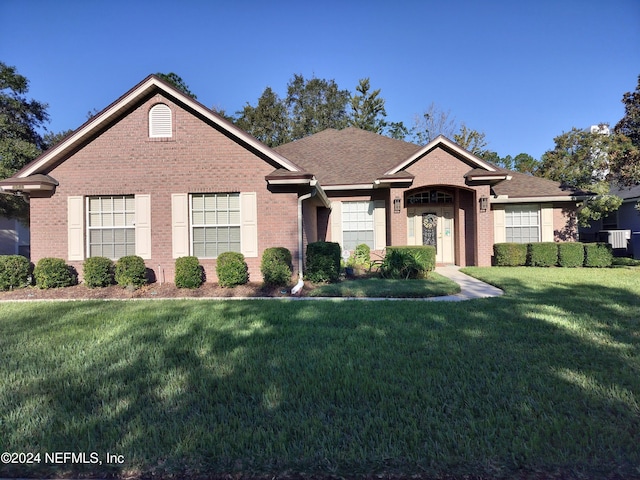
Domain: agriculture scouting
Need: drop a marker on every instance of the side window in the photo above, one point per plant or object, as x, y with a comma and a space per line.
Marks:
215, 224
160, 121
522, 223
357, 224
111, 226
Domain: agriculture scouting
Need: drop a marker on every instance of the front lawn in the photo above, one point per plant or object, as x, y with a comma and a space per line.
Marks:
374, 287
543, 381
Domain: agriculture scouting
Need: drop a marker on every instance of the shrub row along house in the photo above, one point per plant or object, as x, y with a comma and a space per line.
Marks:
157, 174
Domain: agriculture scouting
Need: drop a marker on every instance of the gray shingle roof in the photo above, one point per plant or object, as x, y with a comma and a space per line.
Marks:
347, 157
522, 185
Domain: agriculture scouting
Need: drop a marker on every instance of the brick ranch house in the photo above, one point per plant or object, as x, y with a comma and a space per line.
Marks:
157, 174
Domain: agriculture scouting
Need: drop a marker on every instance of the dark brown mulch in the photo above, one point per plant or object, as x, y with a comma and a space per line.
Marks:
154, 290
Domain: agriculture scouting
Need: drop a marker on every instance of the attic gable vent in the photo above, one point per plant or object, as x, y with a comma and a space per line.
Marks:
160, 121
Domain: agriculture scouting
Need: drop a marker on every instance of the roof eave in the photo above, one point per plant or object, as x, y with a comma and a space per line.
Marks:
34, 183
541, 199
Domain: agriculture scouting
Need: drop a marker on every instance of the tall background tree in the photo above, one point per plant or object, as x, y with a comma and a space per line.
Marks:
21, 120
177, 81
433, 122
627, 158
267, 121
315, 105
367, 108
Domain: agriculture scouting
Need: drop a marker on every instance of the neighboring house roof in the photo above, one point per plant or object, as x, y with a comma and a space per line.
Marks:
628, 194
347, 157
152, 84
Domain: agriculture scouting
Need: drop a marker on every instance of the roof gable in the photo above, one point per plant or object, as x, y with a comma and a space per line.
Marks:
443, 142
143, 90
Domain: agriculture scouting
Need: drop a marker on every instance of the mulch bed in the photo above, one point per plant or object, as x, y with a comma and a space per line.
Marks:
154, 290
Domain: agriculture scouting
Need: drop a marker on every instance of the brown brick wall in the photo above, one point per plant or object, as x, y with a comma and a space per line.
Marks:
439, 168
565, 222
123, 160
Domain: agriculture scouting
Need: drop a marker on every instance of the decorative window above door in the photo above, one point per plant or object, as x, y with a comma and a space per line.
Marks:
429, 196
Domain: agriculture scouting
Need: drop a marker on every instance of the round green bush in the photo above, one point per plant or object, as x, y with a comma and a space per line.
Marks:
276, 266
231, 269
189, 272
53, 273
14, 271
131, 271
97, 272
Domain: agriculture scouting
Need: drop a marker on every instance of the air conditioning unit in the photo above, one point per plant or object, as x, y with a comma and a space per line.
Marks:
616, 238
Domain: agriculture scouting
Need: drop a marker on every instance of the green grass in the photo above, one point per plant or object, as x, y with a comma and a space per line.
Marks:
374, 287
544, 379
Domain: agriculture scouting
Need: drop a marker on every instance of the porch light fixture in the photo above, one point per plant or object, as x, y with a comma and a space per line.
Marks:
484, 203
396, 205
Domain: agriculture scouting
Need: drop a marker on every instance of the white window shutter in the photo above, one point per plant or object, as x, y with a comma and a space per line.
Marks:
379, 224
546, 223
160, 121
75, 228
336, 222
499, 229
249, 224
180, 225
143, 226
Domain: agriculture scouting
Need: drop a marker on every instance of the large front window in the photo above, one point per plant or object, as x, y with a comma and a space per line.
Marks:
357, 224
215, 224
111, 226
522, 223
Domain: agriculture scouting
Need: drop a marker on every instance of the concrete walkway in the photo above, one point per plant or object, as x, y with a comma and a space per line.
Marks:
470, 287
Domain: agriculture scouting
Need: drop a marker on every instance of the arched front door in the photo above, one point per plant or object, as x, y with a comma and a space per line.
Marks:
431, 223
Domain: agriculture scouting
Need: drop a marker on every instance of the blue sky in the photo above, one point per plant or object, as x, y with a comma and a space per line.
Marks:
522, 72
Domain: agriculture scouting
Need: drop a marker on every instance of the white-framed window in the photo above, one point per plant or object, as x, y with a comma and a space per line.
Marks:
215, 220
357, 224
160, 121
522, 223
111, 226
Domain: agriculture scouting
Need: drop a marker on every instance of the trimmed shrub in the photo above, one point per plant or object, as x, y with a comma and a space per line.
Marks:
276, 266
97, 272
408, 262
597, 255
189, 272
323, 262
542, 254
131, 271
53, 273
232, 270
570, 254
510, 254
14, 271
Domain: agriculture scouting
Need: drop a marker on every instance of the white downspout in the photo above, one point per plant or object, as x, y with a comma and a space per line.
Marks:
301, 236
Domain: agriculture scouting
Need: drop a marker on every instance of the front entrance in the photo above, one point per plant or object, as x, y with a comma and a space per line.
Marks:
433, 226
